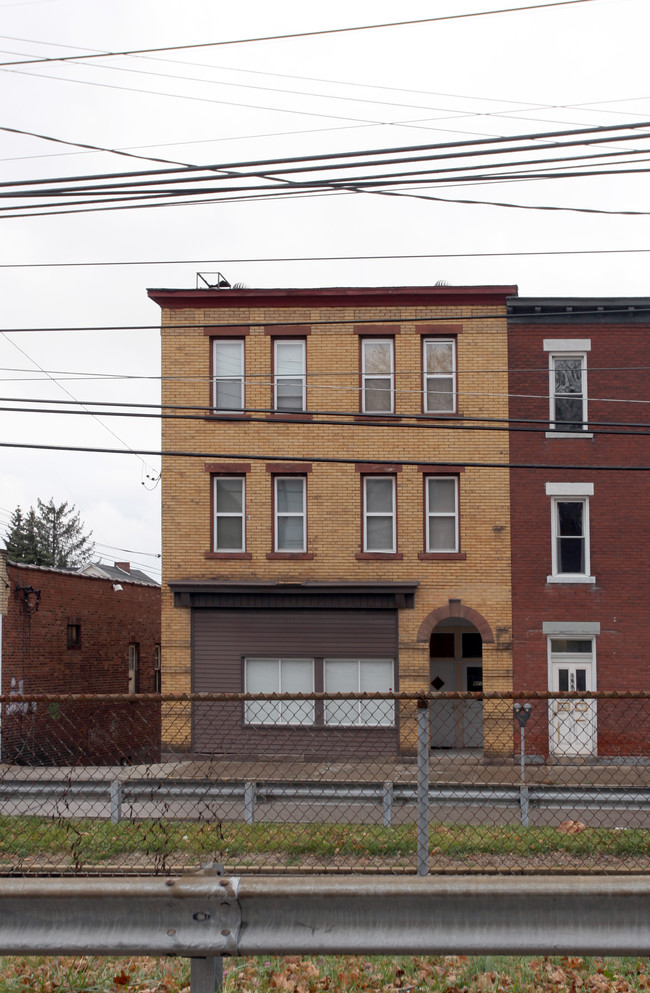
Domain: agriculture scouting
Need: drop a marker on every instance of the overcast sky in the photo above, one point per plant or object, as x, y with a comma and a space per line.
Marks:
524, 72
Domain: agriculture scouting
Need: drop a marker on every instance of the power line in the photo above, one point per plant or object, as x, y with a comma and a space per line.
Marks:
436, 422
74, 399
256, 457
621, 309
325, 258
274, 164
297, 34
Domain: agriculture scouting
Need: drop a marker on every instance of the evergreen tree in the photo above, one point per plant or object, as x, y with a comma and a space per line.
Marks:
53, 535
21, 540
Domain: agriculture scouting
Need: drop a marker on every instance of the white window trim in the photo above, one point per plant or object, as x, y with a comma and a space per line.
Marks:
278, 514
358, 722
578, 493
430, 514
390, 376
298, 377
567, 348
281, 689
573, 631
228, 379
218, 514
366, 515
426, 376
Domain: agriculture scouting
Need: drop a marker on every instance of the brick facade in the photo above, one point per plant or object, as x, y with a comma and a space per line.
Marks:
474, 583
64, 633
609, 609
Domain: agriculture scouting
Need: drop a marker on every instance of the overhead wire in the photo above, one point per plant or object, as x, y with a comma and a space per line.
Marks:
299, 34
322, 258
320, 459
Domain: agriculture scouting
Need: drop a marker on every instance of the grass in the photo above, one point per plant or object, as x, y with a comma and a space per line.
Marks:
163, 843
440, 974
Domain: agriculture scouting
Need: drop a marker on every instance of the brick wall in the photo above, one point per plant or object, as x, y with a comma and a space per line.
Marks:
479, 577
36, 658
619, 511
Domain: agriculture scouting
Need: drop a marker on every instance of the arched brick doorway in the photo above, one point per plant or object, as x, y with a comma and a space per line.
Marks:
456, 635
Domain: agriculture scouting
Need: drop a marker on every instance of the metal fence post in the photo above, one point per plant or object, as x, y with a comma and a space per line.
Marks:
206, 974
249, 801
116, 801
388, 804
423, 787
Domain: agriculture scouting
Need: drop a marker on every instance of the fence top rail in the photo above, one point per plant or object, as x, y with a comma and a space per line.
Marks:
420, 698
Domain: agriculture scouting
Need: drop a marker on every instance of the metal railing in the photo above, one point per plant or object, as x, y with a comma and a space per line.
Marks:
321, 783
207, 917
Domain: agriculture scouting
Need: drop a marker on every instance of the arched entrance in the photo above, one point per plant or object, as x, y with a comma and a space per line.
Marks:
456, 664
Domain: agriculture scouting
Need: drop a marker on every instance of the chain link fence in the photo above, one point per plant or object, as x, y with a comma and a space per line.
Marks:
401, 783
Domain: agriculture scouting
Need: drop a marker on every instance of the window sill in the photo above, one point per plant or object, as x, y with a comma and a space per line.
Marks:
228, 555
374, 417
289, 415
569, 434
378, 556
304, 556
571, 579
227, 415
451, 556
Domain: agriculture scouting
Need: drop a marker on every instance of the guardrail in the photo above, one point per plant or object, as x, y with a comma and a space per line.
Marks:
253, 795
206, 917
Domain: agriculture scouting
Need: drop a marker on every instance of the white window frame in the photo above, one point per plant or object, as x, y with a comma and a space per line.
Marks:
216, 378
430, 514
567, 348
277, 514
365, 377
432, 376
367, 514
360, 713
300, 377
275, 712
570, 493
217, 513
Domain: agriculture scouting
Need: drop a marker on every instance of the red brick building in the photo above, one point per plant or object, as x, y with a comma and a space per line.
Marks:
65, 633
580, 520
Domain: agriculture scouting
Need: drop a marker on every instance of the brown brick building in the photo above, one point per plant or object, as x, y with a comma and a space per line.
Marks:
580, 522
65, 633
329, 521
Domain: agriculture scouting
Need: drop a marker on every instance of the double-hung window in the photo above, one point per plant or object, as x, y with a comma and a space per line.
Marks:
379, 517
359, 676
377, 376
229, 518
274, 675
290, 514
289, 386
570, 551
441, 496
439, 375
568, 384
228, 374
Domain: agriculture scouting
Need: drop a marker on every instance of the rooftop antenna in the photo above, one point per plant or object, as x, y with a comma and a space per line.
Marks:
213, 281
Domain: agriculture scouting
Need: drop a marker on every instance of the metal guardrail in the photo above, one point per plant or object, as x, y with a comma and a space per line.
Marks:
205, 917
116, 793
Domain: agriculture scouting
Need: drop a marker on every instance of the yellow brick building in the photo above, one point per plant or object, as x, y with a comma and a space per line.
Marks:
333, 506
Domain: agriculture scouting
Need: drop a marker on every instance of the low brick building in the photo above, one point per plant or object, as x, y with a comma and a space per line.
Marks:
65, 633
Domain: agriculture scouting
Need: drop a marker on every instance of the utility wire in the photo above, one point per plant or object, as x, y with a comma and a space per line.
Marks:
256, 457
296, 34
429, 422
75, 400
324, 258
621, 309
